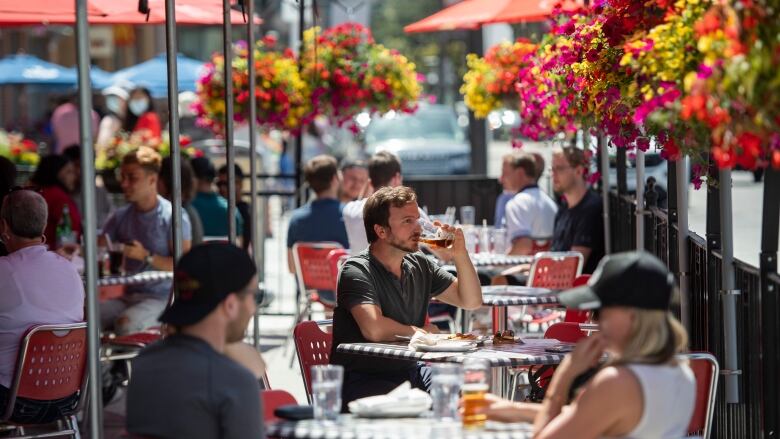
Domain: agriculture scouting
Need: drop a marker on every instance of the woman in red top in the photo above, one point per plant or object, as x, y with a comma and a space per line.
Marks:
141, 118
56, 177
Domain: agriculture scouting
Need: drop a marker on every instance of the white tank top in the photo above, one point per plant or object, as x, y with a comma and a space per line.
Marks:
669, 394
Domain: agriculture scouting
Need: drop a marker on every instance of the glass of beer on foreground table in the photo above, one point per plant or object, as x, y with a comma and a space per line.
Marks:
476, 373
433, 235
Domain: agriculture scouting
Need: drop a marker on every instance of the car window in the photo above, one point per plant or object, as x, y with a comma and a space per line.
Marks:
425, 124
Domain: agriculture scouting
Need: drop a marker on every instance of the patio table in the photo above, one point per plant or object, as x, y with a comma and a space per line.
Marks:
135, 279
349, 427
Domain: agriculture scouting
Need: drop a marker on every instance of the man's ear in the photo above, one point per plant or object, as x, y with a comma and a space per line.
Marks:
380, 231
231, 306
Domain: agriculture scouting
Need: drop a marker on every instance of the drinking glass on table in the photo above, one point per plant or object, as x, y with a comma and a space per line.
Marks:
468, 215
116, 259
433, 235
326, 381
476, 373
446, 379
498, 237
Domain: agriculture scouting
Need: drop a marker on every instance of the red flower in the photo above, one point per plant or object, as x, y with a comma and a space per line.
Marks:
671, 151
776, 159
724, 158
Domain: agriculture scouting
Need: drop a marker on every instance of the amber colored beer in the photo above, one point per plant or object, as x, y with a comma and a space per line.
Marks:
437, 242
474, 404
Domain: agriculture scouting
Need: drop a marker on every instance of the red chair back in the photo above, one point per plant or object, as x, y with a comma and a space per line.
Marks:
706, 370
273, 399
540, 245
555, 270
335, 260
574, 315
51, 363
311, 265
313, 346
565, 332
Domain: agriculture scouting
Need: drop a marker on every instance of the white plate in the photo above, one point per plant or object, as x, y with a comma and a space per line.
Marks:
448, 346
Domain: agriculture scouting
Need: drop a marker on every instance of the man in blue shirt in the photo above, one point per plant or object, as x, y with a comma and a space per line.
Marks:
320, 219
211, 207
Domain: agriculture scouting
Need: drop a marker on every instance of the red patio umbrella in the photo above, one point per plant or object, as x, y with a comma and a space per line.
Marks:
188, 12
471, 14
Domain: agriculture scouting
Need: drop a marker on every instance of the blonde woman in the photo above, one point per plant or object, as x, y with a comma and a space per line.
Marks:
643, 391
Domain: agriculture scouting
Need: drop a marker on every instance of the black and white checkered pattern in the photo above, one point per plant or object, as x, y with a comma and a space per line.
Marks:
505, 355
135, 279
348, 427
482, 259
514, 300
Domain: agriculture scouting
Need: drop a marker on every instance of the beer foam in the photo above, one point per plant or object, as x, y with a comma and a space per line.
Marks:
474, 387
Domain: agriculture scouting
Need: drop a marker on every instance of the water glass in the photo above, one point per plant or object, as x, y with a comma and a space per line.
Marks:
326, 383
476, 382
445, 390
471, 235
498, 238
467, 215
484, 239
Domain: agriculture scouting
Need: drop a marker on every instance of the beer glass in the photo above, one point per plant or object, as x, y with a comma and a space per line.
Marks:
434, 235
476, 373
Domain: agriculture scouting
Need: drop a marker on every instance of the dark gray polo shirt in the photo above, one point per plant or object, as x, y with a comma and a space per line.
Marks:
364, 280
183, 388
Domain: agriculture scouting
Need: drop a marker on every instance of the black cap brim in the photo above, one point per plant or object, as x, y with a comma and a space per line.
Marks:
182, 313
580, 298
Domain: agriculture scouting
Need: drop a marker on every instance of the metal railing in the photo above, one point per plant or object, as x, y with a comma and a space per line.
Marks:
756, 415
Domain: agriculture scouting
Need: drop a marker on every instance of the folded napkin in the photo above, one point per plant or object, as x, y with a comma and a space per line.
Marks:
402, 396
422, 339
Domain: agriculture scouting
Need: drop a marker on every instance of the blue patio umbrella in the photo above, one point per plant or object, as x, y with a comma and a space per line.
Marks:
29, 70
152, 74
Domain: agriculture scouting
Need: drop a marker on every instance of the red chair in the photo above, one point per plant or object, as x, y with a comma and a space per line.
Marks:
313, 347
575, 315
51, 365
706, 370
313, 272
336, 259
272, 400
555, 270
541, 245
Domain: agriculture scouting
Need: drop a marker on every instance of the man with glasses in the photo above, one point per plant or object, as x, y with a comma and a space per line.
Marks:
579, 225
144, 227
38, 286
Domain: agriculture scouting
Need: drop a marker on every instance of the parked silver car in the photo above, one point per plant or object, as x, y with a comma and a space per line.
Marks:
428, 142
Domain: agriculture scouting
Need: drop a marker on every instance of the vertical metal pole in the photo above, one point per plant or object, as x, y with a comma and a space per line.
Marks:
89, 218
622, 229
682, 240
728, 290
255, 232
770, 226
227, 35
640, 199
300, 194
173, 123
604, 155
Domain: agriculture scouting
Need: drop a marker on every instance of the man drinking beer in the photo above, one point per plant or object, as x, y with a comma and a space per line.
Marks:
384, 292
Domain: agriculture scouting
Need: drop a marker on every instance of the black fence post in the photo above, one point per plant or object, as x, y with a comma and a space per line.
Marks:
713, 245
477, 127
671, 234
770, 223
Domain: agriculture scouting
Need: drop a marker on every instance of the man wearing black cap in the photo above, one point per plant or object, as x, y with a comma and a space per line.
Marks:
212, 208
183, 386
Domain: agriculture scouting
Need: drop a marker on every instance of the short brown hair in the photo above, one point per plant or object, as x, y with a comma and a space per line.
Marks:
382, 167
146, 157
319, 172
539, 165
573, 155
377, 208
524, 161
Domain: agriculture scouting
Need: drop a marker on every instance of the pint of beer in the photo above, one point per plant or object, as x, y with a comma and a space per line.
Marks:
475, 386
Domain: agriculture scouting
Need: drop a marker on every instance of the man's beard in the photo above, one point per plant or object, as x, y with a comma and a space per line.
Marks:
396, 243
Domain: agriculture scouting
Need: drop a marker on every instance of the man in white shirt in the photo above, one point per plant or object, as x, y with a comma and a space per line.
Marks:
38, 287
384, 169
530, 215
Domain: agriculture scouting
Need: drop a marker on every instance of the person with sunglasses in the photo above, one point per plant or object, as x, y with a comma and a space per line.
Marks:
643, 390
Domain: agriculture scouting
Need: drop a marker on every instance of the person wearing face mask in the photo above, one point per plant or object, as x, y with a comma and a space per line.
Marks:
116, 106
141, 117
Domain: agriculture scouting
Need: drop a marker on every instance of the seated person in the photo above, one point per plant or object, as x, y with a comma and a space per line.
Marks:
165, 189
354, 180
384, 291
144, 226
579, 224
320, 219
38, 286
530, 214
643, 390
509, 187
211, 207
244, 209
184, 386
